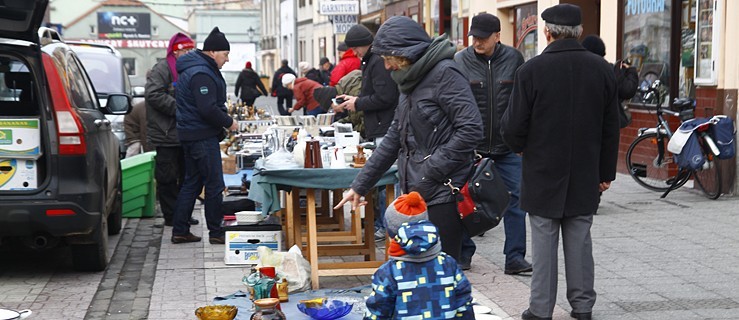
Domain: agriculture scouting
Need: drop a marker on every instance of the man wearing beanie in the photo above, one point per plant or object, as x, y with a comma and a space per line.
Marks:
169, 166
627, 79
567, 133
201, 119
378, 98
419, 280
490, 66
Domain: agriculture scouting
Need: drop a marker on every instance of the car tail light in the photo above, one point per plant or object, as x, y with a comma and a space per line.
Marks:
59, 212
69, 128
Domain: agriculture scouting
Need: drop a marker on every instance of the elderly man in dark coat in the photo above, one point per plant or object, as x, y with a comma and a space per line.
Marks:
563, 118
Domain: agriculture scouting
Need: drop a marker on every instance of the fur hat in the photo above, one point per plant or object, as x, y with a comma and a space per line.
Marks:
216, 41
287, 78
358, 36
303, 66
406, 208
595, 45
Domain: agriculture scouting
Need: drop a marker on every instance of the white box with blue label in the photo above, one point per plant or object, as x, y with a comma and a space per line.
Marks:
242, 242
18, 174
20, 138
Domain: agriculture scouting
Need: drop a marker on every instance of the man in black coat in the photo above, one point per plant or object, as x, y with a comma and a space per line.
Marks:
284, 95
490, 66
563, 119
378, 99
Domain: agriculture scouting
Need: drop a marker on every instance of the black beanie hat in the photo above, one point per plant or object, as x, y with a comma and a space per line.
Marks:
216, 41
595, 45
358, 36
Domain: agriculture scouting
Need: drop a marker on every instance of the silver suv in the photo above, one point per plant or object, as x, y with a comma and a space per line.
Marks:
104, 65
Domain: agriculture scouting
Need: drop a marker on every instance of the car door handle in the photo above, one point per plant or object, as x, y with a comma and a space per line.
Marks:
102, 122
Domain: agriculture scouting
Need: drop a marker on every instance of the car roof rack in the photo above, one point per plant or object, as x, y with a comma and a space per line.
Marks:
48, 35
94, 44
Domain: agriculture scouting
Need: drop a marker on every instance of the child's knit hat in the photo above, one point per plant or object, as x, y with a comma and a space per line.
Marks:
406, 208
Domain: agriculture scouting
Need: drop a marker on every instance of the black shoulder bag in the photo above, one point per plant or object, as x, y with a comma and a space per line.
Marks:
482, 201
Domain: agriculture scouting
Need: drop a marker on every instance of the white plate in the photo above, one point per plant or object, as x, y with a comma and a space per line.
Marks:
485, 316
481, 309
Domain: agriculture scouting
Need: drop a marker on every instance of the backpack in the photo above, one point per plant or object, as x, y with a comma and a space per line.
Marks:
723, 133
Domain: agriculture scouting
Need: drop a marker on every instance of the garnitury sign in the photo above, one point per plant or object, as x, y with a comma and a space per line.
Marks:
341, 7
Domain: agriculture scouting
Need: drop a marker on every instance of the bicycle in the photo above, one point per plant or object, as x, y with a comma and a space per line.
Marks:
653, 166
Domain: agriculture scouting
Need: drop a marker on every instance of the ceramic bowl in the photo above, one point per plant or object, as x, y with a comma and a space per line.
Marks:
217, 312
332, 309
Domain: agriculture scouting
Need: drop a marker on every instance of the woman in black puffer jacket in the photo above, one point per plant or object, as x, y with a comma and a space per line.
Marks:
435, 129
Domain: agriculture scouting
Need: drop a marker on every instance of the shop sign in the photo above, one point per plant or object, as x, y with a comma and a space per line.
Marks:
634, 7
131, 44
343, 7
124, 25
342, 23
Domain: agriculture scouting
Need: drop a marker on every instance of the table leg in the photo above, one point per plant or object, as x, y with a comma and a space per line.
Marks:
338, 213
312, 237
369, 225
294, 202
389, 198
289, 211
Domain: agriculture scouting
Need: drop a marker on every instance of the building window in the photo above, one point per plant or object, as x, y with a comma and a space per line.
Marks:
526, 38
646, 41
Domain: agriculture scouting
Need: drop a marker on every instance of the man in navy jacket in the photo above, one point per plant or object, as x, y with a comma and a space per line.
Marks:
201, 119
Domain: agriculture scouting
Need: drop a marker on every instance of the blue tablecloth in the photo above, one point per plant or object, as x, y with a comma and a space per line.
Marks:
264, 183
357, 296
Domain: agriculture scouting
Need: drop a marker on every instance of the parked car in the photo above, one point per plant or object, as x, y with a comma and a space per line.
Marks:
104, 65
66, 187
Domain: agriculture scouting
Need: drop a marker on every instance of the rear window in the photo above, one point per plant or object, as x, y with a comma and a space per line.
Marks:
18, 96
105, 71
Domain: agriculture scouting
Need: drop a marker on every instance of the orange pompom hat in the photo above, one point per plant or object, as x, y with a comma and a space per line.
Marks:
406, 208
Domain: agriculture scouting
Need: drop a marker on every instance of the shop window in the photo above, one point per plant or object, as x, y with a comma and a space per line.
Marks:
646, 41
706, 42
526, 37
687, 50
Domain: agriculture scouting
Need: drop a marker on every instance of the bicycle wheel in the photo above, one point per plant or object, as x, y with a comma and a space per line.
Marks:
708, 179
649, 169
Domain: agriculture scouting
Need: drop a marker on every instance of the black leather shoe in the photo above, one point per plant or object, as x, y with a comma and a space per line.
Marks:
185, 238
527, 315
465, 264
217, 240
518, 266
168, 223
193, 221
582, 316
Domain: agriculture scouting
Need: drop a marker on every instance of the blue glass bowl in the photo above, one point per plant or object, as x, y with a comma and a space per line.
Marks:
332, 309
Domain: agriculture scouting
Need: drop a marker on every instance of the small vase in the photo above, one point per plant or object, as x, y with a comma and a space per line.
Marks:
267, 310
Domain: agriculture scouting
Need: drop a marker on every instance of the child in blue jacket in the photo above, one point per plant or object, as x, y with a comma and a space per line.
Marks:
419, 281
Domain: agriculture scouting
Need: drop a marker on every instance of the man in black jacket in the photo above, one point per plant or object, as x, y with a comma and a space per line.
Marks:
169, 168
490, 67
250, 85
284, 95
563, 119
378, 99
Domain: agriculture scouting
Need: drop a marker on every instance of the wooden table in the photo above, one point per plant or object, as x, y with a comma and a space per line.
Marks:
265, 185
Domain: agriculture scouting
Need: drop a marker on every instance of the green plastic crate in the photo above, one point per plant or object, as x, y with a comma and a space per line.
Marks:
138, 170
139, 194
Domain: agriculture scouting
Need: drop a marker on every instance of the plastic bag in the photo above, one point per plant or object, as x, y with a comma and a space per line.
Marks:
290, 264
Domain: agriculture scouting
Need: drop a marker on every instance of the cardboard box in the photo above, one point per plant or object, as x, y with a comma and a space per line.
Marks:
19, 138
18, 174
229, 165
242, 242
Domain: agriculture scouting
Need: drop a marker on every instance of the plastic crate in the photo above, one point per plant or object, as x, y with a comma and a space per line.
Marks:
139, 192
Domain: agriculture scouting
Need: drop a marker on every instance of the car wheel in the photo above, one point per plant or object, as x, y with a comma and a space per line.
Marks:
115, 220
92, 256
